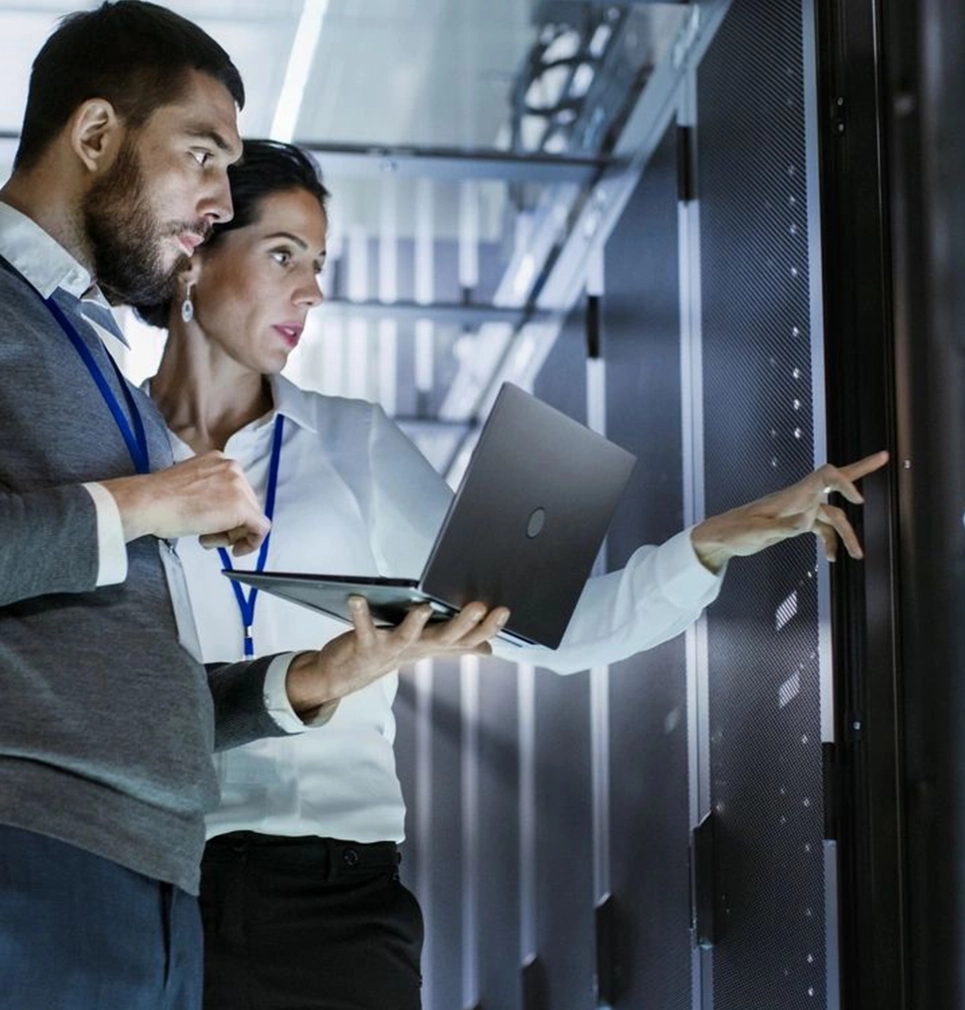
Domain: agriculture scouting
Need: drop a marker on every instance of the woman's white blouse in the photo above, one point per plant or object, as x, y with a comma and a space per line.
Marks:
355, 496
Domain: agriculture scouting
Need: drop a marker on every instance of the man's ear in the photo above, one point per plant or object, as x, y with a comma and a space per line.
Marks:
95, 133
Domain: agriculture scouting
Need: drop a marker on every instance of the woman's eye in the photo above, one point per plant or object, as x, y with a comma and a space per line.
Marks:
281, 256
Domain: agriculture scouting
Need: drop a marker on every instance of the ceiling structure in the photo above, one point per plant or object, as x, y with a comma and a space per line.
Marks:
467, 143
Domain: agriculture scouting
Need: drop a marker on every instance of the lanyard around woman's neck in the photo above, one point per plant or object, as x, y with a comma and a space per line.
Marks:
246, 603
132, 431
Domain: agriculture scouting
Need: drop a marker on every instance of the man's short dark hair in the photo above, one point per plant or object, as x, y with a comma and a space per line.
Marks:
264, 168
134, 54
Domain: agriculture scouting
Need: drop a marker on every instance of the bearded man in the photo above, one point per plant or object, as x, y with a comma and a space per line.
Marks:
108, 719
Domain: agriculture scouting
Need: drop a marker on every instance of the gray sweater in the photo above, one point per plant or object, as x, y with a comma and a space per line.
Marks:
106, 724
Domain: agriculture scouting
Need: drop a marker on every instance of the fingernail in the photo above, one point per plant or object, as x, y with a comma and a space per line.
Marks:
502, 619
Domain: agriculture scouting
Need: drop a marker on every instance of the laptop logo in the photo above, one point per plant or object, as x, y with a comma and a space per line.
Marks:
536, 522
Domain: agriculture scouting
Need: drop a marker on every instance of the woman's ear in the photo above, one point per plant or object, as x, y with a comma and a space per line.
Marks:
96, 133
189, 275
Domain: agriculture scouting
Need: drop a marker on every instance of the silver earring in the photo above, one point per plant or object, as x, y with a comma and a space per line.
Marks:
187, 307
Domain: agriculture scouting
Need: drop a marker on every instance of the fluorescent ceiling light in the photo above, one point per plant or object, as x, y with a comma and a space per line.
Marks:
599, 41
564, 47
300, 61
524, 275
582, 79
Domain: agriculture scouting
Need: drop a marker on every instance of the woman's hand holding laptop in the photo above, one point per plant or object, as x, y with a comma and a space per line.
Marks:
357, 657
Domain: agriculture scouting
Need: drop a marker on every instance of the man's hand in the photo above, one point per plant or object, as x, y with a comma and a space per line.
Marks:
356, 658
207, 495
800, 508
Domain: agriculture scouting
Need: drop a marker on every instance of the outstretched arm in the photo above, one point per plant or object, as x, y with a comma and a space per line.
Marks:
662, 590
800, 508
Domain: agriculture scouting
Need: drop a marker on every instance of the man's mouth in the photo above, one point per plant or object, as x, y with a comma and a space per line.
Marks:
190, 241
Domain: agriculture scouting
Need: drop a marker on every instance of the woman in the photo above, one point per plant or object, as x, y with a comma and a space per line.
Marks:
301, 899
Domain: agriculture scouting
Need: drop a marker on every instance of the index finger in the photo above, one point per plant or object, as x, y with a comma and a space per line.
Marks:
855, 471
841, 479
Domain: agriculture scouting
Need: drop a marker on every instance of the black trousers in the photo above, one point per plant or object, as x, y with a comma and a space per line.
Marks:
298, 923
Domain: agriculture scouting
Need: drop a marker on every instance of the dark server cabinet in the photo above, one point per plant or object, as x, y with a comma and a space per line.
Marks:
562, 975
678, 850
648, 731
765, 659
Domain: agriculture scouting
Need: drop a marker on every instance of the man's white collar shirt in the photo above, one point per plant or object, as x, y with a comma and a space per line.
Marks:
48, 267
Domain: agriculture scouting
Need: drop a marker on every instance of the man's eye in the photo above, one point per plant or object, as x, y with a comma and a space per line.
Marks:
201, 157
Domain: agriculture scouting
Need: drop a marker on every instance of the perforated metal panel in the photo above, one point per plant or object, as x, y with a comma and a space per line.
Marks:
765, 700
648, 693
564, 840
498, 934
441, 874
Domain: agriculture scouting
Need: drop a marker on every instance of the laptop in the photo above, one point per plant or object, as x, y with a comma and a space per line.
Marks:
522, 531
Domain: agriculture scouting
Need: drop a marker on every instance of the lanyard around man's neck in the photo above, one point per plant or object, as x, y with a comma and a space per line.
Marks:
131, 431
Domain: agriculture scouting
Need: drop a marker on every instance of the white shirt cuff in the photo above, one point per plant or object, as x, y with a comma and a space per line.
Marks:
681, 575
279, 707
111, 546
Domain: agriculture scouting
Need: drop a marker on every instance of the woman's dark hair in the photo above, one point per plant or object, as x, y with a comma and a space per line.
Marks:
136, 55
265, 167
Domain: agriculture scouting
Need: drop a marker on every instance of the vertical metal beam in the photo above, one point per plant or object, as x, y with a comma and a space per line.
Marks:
596, 404
424, 812
333, 378
692, 441
468, 238
599, 676
923, 41
859, 347
819, 414
526, 688
424, 293
388, 293
816, 326
469, 704
357, 348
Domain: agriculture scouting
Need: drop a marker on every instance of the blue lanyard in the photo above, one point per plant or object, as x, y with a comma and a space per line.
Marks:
136, 439
246, 604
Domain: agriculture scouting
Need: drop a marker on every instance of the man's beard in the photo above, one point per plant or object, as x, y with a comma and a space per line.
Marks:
125, 236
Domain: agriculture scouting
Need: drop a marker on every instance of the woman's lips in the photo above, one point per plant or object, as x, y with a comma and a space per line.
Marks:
289, 332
